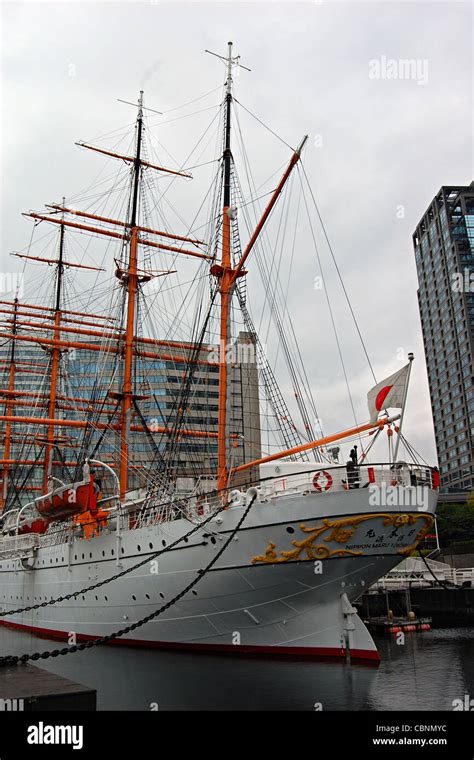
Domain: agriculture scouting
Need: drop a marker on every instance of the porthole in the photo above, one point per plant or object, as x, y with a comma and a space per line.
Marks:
213, 540
164, 542
106, 599
290, 529
134, 597
162, 595
147, 596
139, 548
150, 545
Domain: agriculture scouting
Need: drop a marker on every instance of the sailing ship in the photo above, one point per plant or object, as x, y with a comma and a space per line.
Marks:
173, 528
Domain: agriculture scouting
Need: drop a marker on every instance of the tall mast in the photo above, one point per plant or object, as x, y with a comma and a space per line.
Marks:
9, 406
227, 275
55, 360
225, 289
123, 342
224, 274
130, 280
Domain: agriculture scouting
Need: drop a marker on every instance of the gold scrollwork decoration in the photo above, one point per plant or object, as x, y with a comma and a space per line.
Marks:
340, 532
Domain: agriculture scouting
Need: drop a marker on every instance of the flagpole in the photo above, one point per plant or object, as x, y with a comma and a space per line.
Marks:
405, 393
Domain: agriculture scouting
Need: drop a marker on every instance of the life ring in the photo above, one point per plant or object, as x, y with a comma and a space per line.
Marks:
328, 477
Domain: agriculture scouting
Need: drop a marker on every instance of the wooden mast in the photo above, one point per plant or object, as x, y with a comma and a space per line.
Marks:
225, 291
126, 342
55, 360
9, 409
130, 280
379, 424
227, 275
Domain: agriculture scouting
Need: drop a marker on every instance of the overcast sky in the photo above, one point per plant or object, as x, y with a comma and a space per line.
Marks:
379, 148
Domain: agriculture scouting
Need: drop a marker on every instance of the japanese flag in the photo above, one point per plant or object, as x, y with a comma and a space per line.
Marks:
389, 393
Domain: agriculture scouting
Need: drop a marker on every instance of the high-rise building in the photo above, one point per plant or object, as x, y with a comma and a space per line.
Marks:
444, 253
158, 384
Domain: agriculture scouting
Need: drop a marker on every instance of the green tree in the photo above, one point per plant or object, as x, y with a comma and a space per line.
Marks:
455, 523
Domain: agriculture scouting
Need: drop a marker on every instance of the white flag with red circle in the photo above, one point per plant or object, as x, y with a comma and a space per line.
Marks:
390, 393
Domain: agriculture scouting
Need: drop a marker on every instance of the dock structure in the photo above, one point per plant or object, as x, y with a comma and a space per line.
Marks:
415, 572
446, 606
431, 592
384, 625
27, 688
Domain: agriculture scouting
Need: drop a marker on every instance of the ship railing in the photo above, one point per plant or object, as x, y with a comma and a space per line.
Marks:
59, 533
188, 506
151, 515
326, 479
400, 579
8, 520
319, 480
14, 546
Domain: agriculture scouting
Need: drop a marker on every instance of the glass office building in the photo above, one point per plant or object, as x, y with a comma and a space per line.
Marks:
444, 253
84, 375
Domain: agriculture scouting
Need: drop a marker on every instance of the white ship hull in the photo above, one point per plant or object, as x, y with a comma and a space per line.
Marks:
283, 585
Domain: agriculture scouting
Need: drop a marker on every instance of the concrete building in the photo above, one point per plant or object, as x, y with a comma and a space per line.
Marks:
444, 254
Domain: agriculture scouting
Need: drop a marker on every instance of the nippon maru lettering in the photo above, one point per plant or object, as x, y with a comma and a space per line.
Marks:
100, 533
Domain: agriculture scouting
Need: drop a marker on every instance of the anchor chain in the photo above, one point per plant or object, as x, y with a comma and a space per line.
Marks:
22, 659
149, 558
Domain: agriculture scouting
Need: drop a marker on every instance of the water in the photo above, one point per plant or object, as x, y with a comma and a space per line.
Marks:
430, 671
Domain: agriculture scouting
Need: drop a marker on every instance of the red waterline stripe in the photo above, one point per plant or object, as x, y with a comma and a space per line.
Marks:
306, 652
